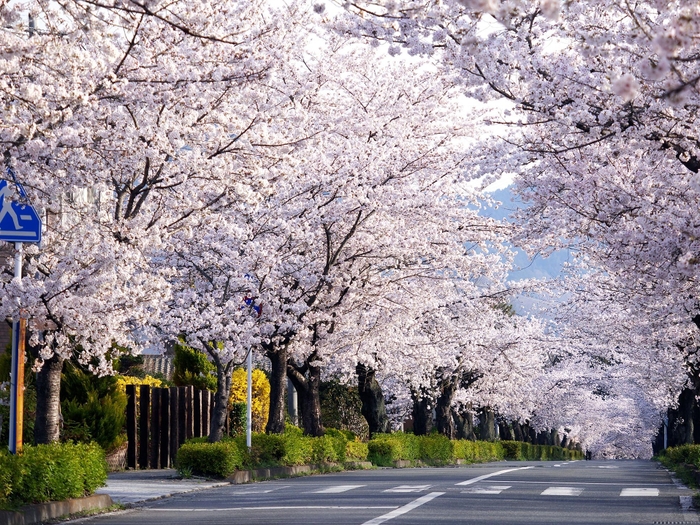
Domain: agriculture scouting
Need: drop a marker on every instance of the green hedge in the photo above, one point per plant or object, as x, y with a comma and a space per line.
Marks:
478, 451
220, 460
519, 451
51, 473
209, 459
293, 448
682, 454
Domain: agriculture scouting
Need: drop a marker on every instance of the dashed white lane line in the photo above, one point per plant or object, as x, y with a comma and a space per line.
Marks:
490, 489
486, 476
409, 488
403, 510
337, 489
562, 491
639, 492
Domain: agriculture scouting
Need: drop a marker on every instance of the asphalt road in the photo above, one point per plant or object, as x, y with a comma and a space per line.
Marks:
504, 493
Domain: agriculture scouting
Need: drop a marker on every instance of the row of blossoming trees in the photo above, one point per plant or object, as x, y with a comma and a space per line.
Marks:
255, 177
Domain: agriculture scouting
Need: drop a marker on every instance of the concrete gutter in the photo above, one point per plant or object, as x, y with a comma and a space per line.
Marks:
41, 512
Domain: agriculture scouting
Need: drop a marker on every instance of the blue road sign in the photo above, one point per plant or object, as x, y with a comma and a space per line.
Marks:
19, 222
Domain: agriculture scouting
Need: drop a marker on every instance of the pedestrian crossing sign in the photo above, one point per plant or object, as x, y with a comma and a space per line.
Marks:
19, 221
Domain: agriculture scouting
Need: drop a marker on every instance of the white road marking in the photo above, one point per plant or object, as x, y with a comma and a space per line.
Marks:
639, 492
562, 491
403, 510
490, 489
299, 507
409, 488
337, 489
243, 492
486, 476
607, 466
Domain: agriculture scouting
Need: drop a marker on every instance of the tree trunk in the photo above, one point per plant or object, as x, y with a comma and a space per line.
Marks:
443, 409
307, 382
506, 430
217, 427
487, 425
464, 425
278, 387
555, 439
372, 397
518, 431
47, 425
422, 415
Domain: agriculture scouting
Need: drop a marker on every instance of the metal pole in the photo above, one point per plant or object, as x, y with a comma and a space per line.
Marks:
249, 403
17, 370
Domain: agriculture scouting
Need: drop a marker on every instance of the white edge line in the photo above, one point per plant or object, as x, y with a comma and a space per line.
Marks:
486, 476
403, 510
301, 507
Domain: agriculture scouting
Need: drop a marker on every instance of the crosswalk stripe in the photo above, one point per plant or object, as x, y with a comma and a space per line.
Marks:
639, 492
491, 489
409, 488
562, 491
337, 489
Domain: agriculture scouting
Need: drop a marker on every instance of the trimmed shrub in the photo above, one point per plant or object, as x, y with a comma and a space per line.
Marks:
356, 451
210, 459
299, 447
266, 450
339, 439
478, 451
516, 450
384, 449
325, 449
51, 473
435, 449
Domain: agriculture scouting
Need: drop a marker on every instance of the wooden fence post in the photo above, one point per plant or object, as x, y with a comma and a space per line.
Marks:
144, 408
155, 427
174, 426
181, 415
189, 423
131, 426
197, 412
206, 398
164, 428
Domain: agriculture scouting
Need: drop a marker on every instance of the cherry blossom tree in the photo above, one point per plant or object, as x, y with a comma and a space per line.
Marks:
150, 112
594, 104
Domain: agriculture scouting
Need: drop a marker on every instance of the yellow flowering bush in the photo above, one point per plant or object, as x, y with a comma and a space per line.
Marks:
151, 381
261, 395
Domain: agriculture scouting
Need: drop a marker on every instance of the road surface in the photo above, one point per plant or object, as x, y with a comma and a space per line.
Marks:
504, 493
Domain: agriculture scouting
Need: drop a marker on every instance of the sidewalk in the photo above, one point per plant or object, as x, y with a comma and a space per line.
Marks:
137, 486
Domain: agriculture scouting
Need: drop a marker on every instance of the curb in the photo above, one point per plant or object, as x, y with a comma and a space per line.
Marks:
260, 474
41, 512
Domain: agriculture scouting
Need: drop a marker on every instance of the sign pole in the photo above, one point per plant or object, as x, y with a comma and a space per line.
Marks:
17, 372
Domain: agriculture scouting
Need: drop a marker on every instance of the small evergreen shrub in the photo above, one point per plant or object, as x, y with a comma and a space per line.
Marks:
51, 473
210, 459
299, 450
435, 449
356, 451
325, 449
266, 450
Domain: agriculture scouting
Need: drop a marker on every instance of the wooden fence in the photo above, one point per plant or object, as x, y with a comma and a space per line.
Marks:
159, 420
